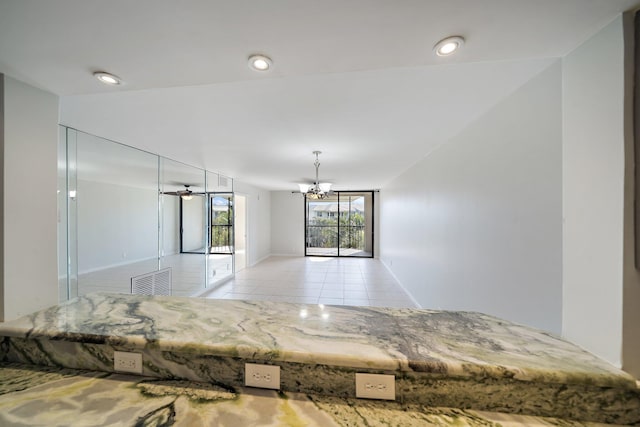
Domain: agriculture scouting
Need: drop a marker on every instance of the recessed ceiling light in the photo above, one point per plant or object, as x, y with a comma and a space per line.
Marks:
448, 46
260, 62
107, 78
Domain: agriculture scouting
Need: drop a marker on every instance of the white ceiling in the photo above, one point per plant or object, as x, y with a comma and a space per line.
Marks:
355, 79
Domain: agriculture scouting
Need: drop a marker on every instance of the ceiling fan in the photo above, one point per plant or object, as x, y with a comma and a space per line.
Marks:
185, 194
317, 190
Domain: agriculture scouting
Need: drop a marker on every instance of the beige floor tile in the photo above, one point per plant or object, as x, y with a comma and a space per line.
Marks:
331, 301
358, 302
333, 286
332, 293
309, 280
356, 294
353, 287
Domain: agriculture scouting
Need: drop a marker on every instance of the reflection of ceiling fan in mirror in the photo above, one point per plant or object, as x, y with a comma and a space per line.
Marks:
185, 194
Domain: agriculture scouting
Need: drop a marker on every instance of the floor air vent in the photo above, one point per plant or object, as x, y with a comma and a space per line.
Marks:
154, 283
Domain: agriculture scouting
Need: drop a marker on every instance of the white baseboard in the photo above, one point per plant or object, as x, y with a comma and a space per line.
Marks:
260, 260
214, 287
401, 285
118, 264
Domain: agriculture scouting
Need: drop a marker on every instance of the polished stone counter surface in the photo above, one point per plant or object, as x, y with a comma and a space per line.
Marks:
458, 344
37, 396
439, 358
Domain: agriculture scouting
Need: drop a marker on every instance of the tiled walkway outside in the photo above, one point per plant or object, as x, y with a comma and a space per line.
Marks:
317, 280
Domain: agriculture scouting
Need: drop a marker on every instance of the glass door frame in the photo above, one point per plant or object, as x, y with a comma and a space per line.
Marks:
230, 196
337, 193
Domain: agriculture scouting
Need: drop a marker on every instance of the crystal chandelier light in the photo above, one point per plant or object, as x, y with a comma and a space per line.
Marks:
317, 190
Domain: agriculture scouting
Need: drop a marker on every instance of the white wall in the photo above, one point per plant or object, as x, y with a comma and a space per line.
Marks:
116, 225
631, 287
240, 231
376, 224
593, 174
287, 223
476, 225
258, 221
30, 204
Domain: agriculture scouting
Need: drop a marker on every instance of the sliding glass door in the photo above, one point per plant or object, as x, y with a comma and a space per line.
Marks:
340, 225
322, 227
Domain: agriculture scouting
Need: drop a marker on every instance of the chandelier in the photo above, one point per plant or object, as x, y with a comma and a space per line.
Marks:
317, 190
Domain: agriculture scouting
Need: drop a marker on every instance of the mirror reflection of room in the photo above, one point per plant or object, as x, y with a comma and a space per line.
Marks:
135, 222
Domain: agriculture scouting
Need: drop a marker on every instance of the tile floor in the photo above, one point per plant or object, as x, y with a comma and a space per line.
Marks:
316, 280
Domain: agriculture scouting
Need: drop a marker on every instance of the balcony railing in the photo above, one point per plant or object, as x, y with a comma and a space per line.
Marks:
221, 236
327, 236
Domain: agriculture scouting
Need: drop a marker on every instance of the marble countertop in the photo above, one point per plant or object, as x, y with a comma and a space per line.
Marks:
456, 344
38, 396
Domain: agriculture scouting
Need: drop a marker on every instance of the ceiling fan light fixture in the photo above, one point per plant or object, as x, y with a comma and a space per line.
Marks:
260, 62
108, 78
304, 187
185, 194
325, 186
448, 46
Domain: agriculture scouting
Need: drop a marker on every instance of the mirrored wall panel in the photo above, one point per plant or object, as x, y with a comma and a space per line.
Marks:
134, 222
184, 226
67, 268
117, 214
